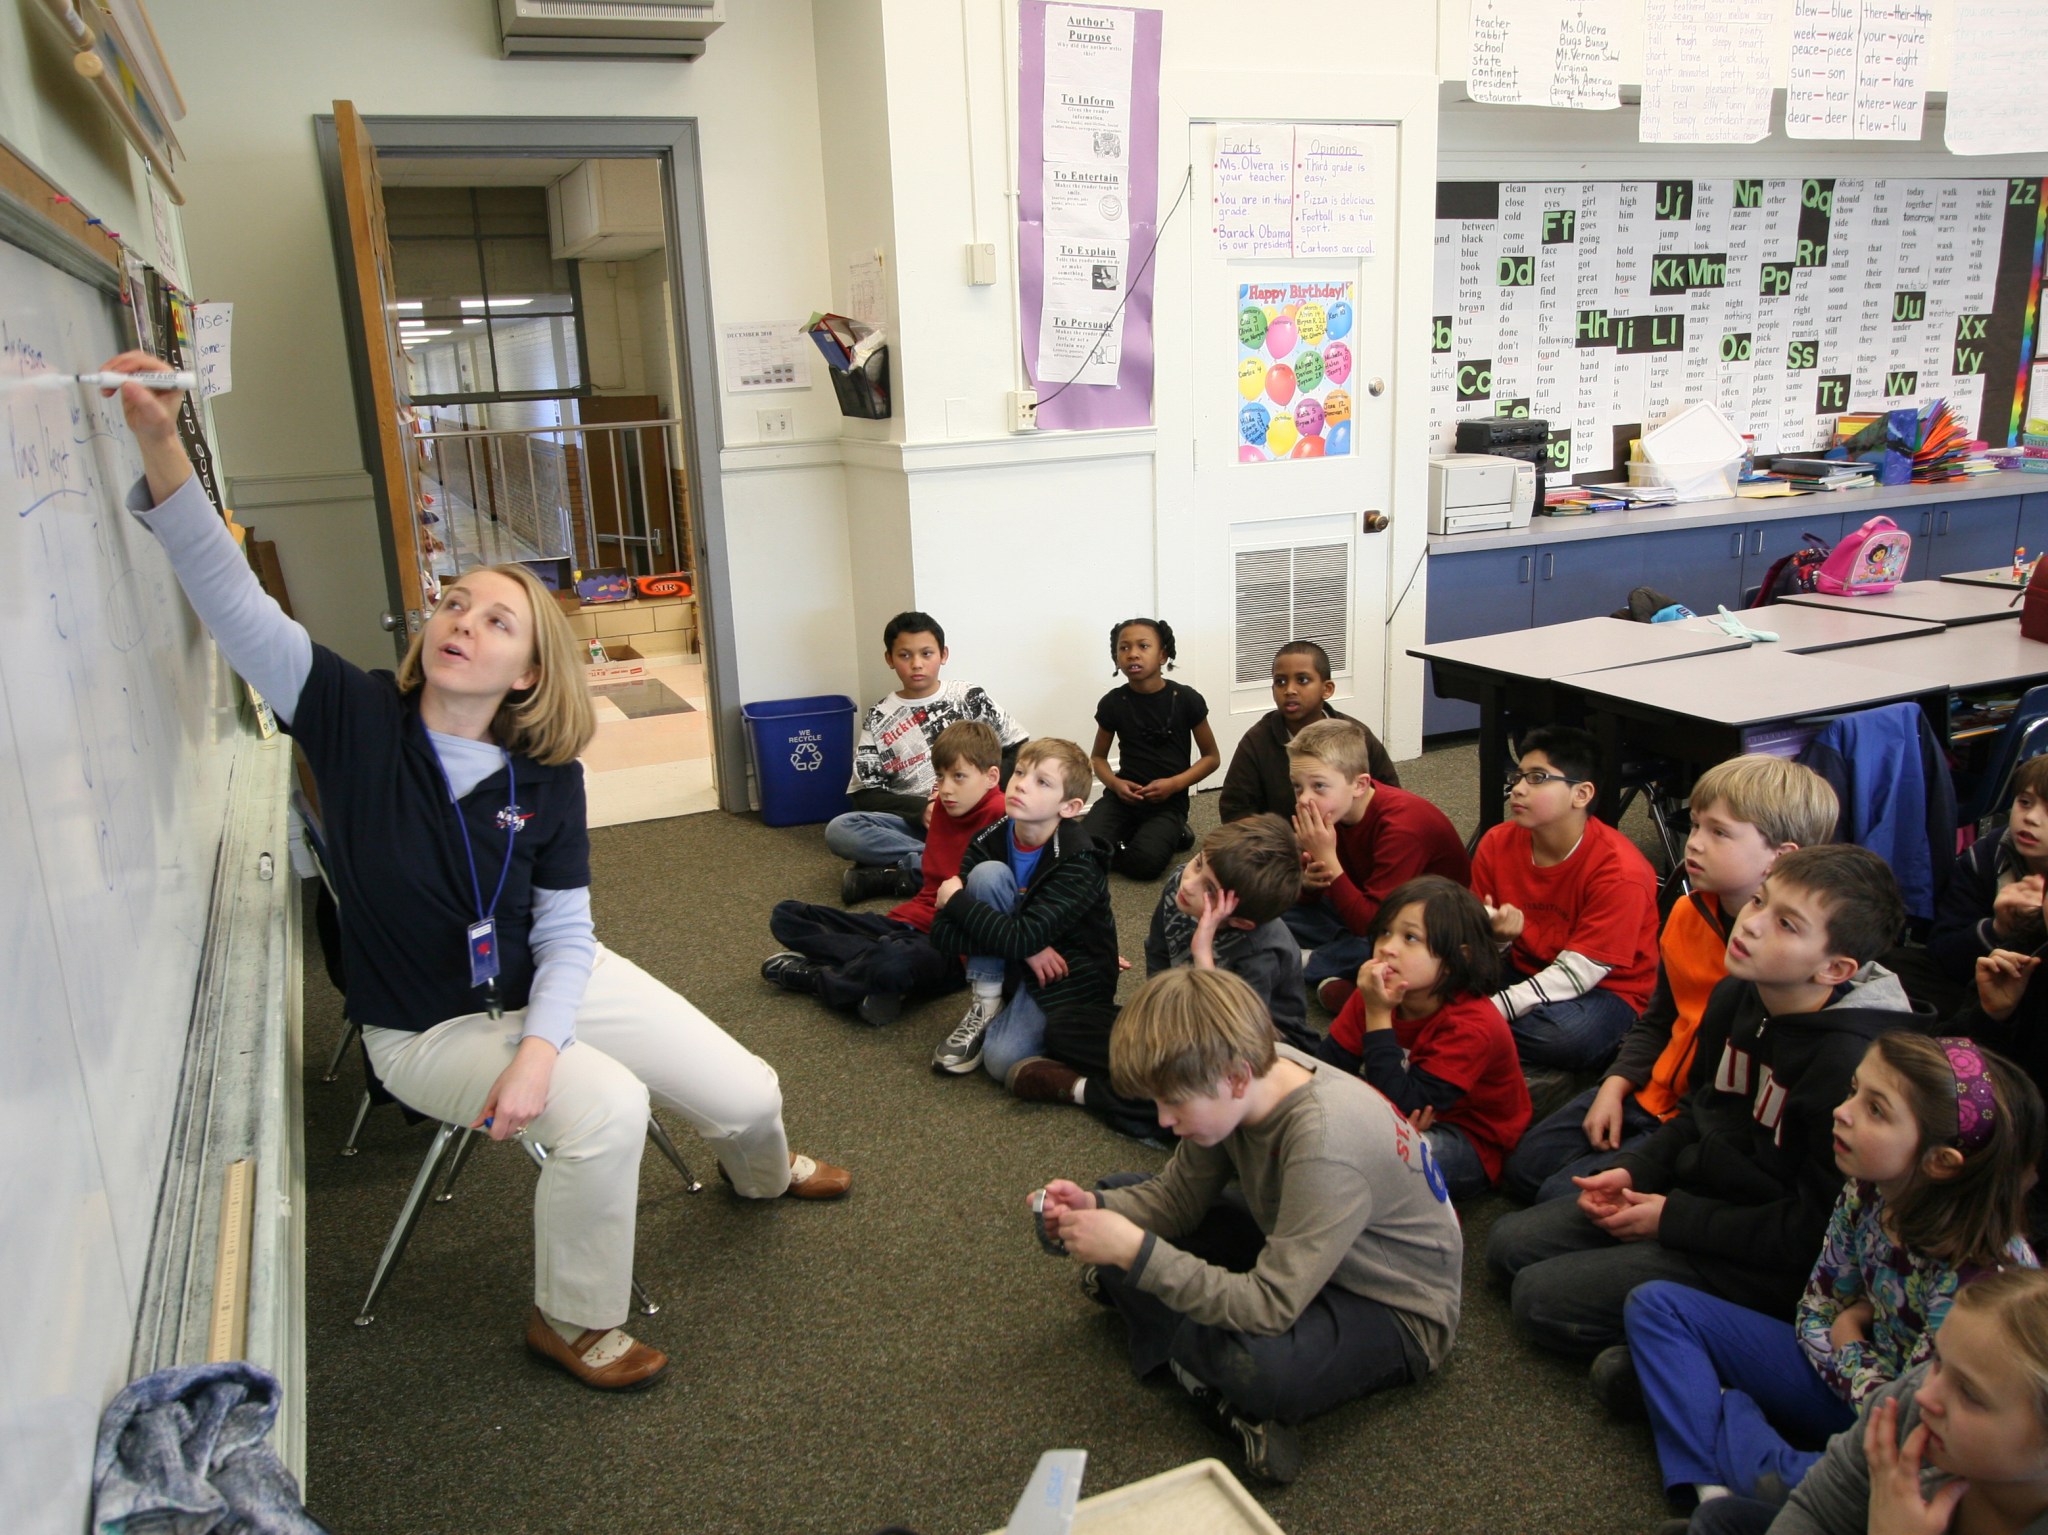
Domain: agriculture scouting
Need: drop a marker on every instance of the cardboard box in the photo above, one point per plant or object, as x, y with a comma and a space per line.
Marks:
626, 665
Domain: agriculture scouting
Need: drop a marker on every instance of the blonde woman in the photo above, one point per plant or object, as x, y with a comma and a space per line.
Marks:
455, 825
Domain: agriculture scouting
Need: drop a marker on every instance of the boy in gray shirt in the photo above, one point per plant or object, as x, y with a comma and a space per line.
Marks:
1333, 1274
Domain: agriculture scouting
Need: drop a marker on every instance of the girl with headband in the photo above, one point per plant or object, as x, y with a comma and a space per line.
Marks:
1938, 1139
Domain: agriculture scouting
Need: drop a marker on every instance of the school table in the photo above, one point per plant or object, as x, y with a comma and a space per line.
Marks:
1997, 575
1806, 630
1966, 657
1702, 709
1533, 662
1942, 602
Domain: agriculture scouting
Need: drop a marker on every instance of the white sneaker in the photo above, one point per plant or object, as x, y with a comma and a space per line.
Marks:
961, 1052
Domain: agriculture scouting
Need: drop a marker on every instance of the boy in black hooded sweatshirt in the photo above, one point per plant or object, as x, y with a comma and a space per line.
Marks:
1732, 1195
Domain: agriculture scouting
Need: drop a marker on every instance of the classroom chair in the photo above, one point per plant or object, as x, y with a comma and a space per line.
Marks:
1890, 773
2025, 735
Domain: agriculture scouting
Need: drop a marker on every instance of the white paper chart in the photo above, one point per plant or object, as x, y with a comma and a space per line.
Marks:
1996, 110
1293, 189
1604, 307
1707, 71
1544, 53
1858, 69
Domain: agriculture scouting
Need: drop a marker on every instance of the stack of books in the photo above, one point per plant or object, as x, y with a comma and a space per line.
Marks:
1578, 500
1822, 473
1635, 495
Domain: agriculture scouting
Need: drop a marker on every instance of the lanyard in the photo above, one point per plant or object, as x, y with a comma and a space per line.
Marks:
482, 938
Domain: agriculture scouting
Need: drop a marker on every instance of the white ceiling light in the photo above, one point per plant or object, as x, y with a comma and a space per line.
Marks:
409, 303
496, 303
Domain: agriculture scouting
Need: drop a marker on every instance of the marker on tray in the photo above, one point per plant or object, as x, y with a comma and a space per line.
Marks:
162, 382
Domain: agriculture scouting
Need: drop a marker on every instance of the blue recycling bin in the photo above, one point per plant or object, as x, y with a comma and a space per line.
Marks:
802, 749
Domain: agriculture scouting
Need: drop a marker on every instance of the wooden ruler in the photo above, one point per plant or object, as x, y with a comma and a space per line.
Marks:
227, 1337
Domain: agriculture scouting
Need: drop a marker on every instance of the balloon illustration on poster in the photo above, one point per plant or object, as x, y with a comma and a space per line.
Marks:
1289, 360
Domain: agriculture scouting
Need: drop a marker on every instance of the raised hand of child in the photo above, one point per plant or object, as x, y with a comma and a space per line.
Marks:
1600, 1194
1606, 1114
2002, 977
1637, 1219
2016, 909
1897, 1506
1315, 875
1852, 1324
1506, 920
1382, 990
1047, 965
1217, 907
1317, 836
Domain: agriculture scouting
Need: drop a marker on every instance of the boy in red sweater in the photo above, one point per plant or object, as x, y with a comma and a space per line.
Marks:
868, 964
1576, 903
1359, 839
1746, 813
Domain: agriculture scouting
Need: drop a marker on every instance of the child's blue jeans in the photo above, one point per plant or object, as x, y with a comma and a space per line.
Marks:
1019, 1029
880, 839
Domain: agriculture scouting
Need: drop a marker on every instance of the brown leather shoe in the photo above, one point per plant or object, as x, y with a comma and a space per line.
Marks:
1040, 1079
604, 1359
811, 1179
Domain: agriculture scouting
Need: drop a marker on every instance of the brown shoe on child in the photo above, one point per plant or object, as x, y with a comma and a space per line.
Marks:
1039, 1079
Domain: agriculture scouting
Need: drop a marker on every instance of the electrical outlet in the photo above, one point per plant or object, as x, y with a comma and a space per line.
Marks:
774, 425
1023, 410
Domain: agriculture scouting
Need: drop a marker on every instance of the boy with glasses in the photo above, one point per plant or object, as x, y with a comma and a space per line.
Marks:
1575, 904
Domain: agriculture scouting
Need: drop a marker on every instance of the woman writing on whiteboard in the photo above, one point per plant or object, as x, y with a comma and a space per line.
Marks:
455, 827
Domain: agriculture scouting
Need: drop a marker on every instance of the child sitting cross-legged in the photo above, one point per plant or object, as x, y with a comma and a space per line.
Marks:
1359, 839
1029, 910
1746, 813
1938, 1139
1333, 1274
1256, 781
867, 963
1732, 1195
1575, 902
1221, 911
1158, 725
1422, 1029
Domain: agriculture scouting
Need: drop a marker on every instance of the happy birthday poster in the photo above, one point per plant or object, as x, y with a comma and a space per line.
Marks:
1293, 363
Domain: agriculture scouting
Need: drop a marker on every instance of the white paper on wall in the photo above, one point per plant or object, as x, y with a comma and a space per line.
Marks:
1544, 53
1707, 71
1998, 109
1336, 192
1252, 196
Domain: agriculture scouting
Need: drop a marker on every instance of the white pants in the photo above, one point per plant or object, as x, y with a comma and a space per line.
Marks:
634, 1038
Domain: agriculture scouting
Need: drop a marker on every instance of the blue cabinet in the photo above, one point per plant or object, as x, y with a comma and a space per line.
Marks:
1485, 592
1700, 567
2033, 533
1961, 535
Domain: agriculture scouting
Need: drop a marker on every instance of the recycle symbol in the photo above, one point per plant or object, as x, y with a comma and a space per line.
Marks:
807, 758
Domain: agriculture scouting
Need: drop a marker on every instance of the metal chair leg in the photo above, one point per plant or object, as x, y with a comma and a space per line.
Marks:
348, 1147
455, 1165
408, 1217
349, 1030
691, 1183
648, 1305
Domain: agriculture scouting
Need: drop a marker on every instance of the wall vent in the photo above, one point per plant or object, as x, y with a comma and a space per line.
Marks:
1299, 592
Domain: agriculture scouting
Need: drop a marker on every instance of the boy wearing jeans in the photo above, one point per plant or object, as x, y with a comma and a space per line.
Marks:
1575, 904
883, 835
857, 960
1332, 1272
1030, 911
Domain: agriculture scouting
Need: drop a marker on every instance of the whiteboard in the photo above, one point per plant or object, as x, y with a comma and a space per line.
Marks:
115, 718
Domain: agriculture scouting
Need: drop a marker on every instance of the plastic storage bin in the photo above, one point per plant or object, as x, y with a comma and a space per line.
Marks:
802, 755
1709, 481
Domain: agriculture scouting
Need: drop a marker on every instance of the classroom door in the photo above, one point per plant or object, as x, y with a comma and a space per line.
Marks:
1285, 364
383, 379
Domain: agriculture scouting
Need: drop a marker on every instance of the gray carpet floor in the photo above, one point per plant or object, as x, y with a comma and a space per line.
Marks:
902, 1356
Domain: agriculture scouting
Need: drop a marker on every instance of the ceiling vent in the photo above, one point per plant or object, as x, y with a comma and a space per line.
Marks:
607, 29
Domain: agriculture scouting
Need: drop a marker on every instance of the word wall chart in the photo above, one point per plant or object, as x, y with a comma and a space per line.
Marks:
1605, 307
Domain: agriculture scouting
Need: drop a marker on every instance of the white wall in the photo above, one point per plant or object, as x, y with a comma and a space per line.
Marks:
257, 73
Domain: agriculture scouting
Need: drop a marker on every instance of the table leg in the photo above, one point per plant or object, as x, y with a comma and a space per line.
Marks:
1606, 729
1493, 754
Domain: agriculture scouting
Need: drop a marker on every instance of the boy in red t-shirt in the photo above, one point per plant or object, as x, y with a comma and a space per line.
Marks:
1421, 1029
856, 960
1576, 903
1359, 839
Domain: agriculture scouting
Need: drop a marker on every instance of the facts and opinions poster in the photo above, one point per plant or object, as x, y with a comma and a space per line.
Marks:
1294, 370
1605, 307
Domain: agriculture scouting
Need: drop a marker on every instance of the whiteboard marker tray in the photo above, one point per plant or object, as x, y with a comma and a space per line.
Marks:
1201, 1498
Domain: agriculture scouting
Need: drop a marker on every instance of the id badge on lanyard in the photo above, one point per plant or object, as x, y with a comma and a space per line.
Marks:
482, 934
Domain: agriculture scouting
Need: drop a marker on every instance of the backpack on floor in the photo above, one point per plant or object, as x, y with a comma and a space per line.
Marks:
1870, 560
1793, 573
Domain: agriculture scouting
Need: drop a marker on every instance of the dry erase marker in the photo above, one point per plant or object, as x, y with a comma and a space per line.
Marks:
162, 382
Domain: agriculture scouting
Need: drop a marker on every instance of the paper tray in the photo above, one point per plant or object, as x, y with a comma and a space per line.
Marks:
1201, 1498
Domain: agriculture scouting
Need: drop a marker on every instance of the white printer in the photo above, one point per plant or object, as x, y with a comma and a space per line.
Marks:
1480, 493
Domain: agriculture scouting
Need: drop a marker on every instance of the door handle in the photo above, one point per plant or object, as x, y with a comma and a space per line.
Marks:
390, 623
1735, 545
1523, 578
1758, 546
1927, 522
1944, 522
1549, 564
